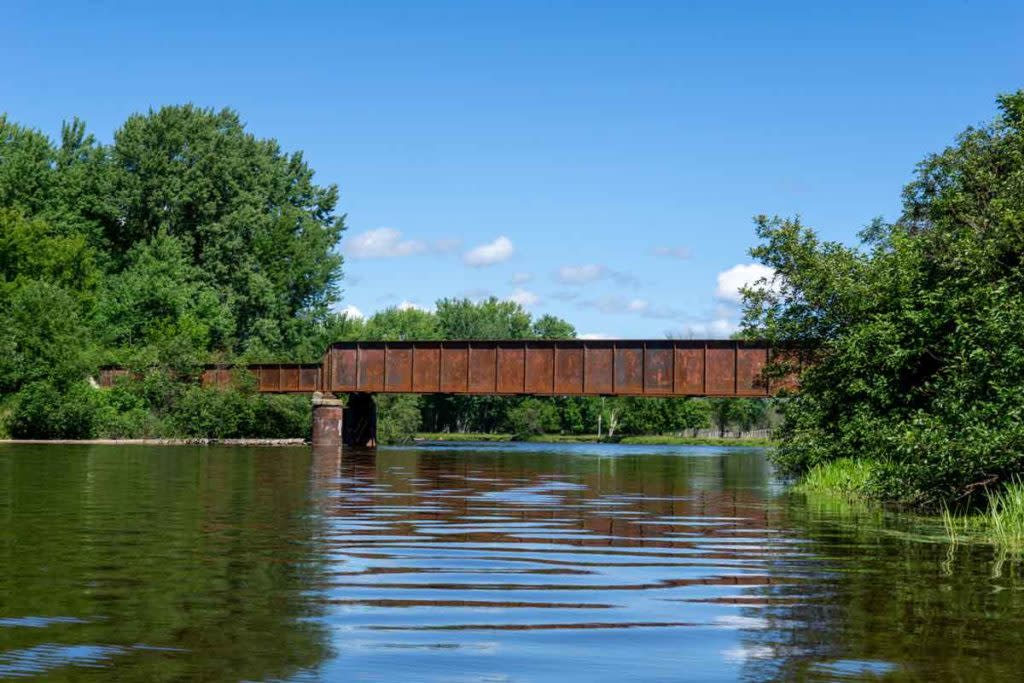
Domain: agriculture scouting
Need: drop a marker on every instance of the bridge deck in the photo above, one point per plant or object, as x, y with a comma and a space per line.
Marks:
575, 368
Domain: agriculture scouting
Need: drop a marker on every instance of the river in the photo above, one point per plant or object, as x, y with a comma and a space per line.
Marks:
476, 562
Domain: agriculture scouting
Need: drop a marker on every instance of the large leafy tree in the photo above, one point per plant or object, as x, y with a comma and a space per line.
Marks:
251, 219
160, 302
919, 332
488, 319
47, 283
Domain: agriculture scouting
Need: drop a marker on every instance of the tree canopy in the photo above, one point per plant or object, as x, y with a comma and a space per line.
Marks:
188, 240
918, 331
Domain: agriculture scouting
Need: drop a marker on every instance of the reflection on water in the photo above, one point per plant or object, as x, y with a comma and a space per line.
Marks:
473, 563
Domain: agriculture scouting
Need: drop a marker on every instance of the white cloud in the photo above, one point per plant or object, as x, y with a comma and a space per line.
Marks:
382, 243
612, 305
682, 253
741, 275
477, 294
594, 335
488, 254
524, 297
591, 272
717, 328
638, 305
521, 278
351, 311
581, 275
409, 305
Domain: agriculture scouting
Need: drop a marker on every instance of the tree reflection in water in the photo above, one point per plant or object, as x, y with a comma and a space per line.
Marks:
474, 562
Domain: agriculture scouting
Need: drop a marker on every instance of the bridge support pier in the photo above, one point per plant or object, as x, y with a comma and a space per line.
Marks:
327, 421
360, 421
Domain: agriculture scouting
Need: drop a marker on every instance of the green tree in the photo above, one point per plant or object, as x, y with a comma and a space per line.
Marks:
532, 417
27, 160
399, 417
919, 332
394, 324
553, 327
43, 337
488, 319
250, 217
161, 301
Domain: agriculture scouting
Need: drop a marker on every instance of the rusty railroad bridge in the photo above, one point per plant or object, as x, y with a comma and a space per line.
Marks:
623, 367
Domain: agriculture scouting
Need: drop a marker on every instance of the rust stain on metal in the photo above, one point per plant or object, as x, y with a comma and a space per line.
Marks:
398, 368
538, 367
568, 369
483, 368
511, 368
454, 367
426, 369
659, 371
720, 370
598, 359
629, 368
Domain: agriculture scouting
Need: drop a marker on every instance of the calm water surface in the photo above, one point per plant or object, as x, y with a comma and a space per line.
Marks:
476, 563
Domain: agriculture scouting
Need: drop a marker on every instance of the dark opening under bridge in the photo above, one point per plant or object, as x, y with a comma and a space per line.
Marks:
624, 367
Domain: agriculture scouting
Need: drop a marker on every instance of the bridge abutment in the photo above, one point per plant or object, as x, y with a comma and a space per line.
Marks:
328, 415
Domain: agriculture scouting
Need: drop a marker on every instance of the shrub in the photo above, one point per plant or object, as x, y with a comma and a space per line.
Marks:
919, 333
533, 417
398, 417
212, 413
280, 417
41, 411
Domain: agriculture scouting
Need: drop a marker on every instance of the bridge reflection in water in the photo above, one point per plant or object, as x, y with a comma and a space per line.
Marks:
444, 552
563, 563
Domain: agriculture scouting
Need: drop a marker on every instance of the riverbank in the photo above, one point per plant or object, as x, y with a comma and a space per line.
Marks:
160, 442
649, 440
995, 517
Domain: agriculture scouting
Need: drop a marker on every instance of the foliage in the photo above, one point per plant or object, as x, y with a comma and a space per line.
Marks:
188, 240
43, 411
532, 416
160, 301
551, 327
395, 324
919, 333
398, 417
1001, 523
489, 319
256, 226
846, 477
743, 413
660, 415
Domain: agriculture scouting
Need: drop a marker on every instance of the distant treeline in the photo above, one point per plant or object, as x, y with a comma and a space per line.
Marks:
188, 240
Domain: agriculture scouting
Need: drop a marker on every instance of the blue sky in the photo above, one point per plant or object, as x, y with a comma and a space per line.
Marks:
601, 162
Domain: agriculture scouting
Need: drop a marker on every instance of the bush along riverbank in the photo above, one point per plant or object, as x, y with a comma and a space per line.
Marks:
913, 392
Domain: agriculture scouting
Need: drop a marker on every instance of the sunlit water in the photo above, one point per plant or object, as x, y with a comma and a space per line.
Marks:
476, 563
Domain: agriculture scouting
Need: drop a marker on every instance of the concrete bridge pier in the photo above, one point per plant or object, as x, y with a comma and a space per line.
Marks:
353, 425
360, 421
327, 421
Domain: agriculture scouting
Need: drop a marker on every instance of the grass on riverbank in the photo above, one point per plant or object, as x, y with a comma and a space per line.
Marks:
652, 440
846, 478
999, 523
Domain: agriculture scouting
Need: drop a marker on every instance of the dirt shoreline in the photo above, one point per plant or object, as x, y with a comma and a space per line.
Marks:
160, 442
